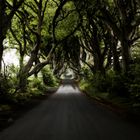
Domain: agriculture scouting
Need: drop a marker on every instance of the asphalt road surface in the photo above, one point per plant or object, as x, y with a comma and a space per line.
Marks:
69, 115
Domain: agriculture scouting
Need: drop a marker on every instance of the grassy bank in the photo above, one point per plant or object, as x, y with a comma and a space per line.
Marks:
119, 104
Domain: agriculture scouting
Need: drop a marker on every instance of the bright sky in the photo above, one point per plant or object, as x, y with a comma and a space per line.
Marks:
10, 57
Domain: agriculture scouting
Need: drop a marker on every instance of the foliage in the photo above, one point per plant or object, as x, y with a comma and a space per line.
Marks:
100, 82
4, 85
134, 86
36, 87
92, 89
48, 78
7, 88
118, 85
114, 84
102, 37
86, 73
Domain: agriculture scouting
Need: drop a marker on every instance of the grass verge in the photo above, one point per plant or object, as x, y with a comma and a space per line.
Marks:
126, 107
10, 112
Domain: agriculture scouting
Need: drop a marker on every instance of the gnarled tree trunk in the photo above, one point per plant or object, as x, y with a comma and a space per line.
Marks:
1, 52
125, 56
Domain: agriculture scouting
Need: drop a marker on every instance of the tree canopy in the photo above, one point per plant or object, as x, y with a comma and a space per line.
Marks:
99, 34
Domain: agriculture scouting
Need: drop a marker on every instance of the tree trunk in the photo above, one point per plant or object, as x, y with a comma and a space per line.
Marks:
125, 56
23, 82
2, 18
98, 64
98, 59
23, 74
22, 78
1, 52
116, 63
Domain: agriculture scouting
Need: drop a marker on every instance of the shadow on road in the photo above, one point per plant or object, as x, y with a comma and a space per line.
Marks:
68, 115
69, 82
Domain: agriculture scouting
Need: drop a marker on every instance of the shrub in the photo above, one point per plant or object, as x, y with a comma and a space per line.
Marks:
4, 85
100, 82
119, 86
86, 73
134, 75
5, 88
48, 78
36, 86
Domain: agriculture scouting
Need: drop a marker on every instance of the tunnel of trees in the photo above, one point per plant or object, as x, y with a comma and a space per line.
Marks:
99, 40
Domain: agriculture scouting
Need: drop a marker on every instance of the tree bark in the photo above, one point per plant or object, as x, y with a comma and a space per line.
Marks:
1, 52
2, 18
22, 82
125, 55
116, 63
5, 22
25, 71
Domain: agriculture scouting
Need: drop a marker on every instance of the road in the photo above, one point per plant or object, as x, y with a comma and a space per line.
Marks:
70, 115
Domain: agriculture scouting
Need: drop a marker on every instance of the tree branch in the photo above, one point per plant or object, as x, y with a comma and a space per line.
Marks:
56, 16
38, 67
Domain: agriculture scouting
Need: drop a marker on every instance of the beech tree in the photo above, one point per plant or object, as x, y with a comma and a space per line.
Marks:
68, 33
124, 21
7, 11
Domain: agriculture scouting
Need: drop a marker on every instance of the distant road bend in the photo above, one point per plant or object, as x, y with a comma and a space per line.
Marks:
69, 115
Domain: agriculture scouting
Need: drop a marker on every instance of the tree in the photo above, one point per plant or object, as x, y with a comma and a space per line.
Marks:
123, 21
65, 25
29, 39
6, 19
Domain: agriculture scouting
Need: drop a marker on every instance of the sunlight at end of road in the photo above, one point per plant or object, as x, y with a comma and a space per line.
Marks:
67, 89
